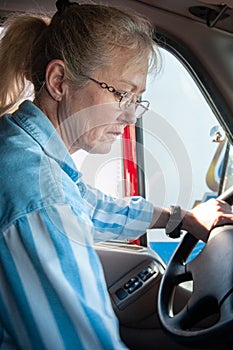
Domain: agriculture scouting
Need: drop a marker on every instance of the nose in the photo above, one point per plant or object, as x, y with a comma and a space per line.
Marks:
128, 116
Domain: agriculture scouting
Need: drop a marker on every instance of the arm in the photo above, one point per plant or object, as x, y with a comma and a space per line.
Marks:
116, 218
136, 215
53, 293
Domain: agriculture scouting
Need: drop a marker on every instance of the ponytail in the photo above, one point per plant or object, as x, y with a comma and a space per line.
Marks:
86, 37
17, 43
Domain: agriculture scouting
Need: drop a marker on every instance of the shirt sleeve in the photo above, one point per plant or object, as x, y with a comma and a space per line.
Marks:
116, 218
53, 293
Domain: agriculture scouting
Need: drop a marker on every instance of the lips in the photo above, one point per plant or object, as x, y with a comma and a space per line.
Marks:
117, 133
114, 134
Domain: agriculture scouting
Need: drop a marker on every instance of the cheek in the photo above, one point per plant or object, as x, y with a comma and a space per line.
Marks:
97, 140
88, 127
94, 135
97, 119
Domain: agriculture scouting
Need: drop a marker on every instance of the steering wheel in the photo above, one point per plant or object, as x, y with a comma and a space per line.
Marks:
212, 288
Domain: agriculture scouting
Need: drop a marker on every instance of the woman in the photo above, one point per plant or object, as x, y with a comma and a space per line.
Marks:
88, 66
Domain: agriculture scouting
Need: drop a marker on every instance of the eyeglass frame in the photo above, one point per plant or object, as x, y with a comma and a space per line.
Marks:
120, 95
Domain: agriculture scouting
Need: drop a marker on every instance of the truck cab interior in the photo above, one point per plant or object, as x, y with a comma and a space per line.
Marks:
183, 155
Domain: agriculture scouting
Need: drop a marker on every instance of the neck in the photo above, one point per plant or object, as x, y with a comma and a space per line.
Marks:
48, 106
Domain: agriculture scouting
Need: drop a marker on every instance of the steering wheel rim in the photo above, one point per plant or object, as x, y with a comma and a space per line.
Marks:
213, 294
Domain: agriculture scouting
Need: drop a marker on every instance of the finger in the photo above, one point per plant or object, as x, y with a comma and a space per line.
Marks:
222, 202
224, 219
224, 206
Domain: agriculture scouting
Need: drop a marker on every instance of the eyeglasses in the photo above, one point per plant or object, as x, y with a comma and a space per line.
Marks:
126, 100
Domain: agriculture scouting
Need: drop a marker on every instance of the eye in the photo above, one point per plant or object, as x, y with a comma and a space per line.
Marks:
121, 96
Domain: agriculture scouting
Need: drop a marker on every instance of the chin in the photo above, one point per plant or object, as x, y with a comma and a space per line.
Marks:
101, 149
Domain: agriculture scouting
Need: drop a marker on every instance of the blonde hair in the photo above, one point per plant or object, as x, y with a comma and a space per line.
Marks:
86, 37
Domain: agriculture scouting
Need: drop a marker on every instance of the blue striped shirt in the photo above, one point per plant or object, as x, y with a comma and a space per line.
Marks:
53, 294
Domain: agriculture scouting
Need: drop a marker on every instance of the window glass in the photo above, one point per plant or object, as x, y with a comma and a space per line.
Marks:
182, 150
104, 172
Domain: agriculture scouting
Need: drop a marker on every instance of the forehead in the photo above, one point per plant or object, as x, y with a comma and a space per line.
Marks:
122, 69
130, 60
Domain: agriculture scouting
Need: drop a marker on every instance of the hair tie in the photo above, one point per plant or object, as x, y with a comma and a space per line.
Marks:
61, 5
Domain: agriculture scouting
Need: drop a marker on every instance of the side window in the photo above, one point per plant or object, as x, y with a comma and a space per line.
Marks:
183, 145
104, 172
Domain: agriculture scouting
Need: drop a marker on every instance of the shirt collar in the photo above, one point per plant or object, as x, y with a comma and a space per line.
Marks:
38, 125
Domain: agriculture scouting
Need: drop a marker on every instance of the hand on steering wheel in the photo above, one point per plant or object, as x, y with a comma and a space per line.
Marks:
212, 275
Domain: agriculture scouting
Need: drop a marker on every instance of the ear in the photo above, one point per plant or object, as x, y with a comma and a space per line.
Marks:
55, 76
